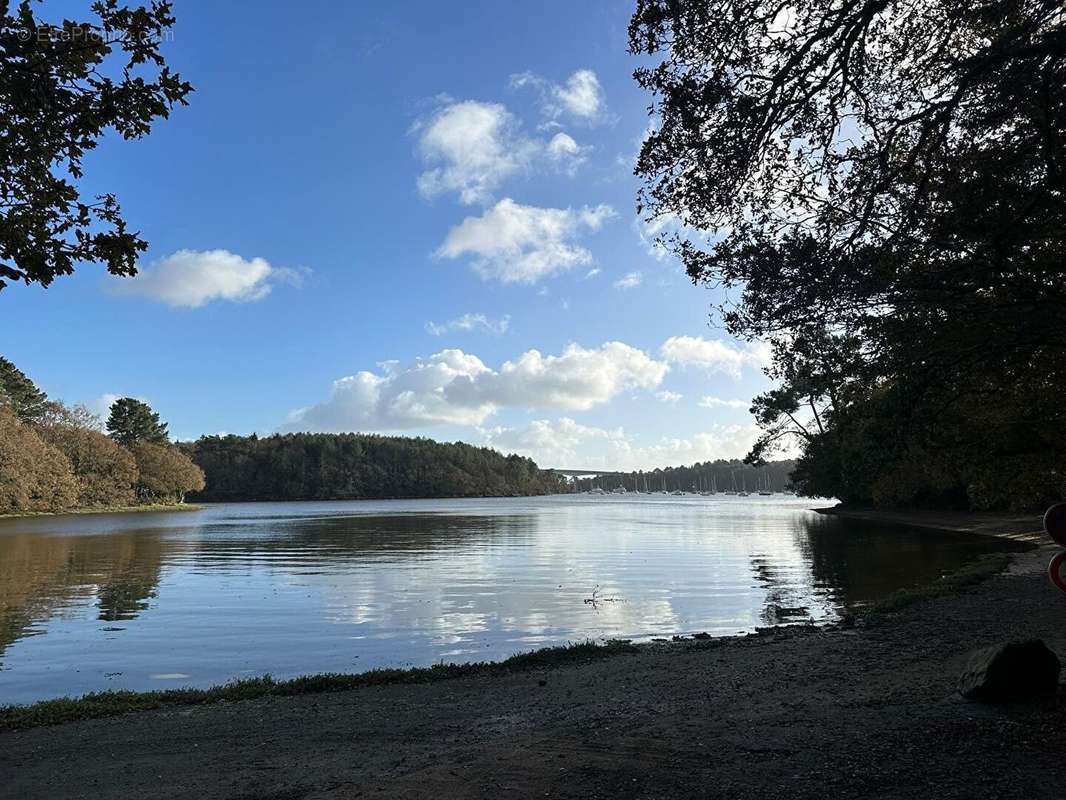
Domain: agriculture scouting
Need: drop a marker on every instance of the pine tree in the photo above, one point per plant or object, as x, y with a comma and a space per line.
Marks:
132, 421
20, 393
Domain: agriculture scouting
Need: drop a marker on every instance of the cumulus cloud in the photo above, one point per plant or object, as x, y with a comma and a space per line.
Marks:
718, 402
470, 322
580, 97
565, 443
456, 388
629, 281
566, 154
471, 147
192, 278
667, 396
514, 243
714, 355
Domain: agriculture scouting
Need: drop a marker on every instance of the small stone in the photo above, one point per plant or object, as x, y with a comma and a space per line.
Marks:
1010, 671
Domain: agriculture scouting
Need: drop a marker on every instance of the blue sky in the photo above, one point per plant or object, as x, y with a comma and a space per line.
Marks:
415, 218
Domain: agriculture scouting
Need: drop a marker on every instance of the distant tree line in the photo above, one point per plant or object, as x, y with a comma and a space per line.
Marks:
356, 466
56, 458
882, 185
720, 475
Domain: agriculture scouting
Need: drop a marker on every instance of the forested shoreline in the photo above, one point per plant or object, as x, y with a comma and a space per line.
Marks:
357, 466
56, 458
721, 475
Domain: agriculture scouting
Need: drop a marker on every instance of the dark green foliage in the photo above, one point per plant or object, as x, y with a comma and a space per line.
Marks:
134, 421
60, 90
20, 393
351, 466
890, 179
108, 704
775, 476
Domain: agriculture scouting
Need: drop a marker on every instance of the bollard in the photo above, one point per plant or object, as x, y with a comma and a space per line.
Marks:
1055, 527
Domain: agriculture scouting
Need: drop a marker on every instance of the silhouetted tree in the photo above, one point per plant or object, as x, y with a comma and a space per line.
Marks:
886, 178
61, 87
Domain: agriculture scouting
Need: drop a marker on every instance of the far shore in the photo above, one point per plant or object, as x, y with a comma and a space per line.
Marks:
151, 507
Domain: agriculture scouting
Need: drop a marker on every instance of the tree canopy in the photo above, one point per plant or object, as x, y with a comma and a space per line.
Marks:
62, 86
57, 458
879, 184
133, 420
353, 466
26, 401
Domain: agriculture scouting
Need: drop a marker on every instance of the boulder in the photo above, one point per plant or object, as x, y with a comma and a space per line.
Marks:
1010, 671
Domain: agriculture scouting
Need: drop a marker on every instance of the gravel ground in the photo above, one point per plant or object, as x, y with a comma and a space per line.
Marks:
868, 712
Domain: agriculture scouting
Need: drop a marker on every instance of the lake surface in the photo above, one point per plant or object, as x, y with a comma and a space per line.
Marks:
150, 601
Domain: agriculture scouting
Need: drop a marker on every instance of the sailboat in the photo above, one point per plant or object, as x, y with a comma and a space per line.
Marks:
764, 487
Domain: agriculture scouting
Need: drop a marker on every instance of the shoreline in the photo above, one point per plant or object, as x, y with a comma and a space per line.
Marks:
744, 715
148, 508
98, 705
1018, 527
826, 711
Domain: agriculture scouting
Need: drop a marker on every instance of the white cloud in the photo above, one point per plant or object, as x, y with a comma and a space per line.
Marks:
667, 396
564, 443
581, 96
192, 278
566, 154
470, 322
592, 273
101, 406
718, 402
456, 388
629, 281
471, 148
514, 243
715, 355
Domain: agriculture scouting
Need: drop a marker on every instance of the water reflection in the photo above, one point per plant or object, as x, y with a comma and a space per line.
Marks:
144, 601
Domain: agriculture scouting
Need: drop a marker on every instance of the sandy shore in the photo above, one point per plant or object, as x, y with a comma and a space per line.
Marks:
863, 712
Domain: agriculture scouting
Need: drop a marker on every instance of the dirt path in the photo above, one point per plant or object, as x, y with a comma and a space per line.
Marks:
797, 713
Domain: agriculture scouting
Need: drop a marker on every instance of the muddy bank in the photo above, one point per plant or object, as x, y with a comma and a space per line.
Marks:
801, 712
148, 508
1025, 527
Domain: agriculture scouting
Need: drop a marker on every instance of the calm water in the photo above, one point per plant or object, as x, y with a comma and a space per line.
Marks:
196, 598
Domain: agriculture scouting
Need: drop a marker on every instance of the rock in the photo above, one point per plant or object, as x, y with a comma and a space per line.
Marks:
1010, 671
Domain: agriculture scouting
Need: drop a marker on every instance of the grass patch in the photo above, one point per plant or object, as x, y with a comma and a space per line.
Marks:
108, 510
109, 704
985, 567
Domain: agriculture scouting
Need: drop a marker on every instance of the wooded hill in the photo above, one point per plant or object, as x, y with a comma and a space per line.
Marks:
357, 466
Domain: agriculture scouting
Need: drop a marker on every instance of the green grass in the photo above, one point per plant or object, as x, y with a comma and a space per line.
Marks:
985, 567
109, 704
108, 510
